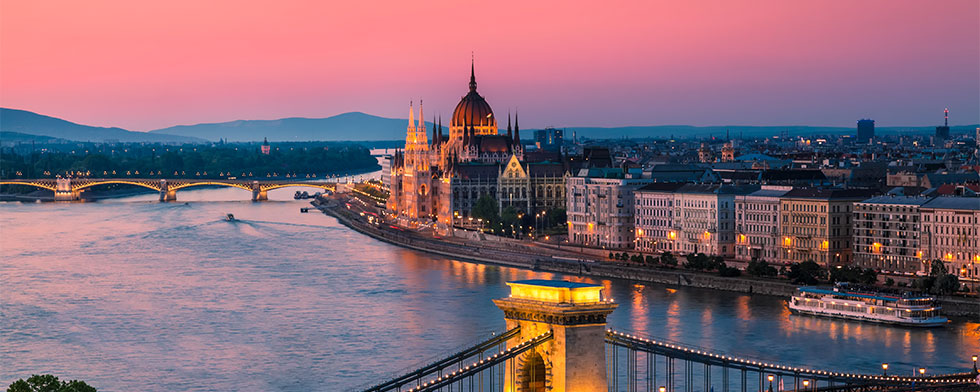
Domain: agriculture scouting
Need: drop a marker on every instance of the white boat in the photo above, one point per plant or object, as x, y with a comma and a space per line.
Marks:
866, 305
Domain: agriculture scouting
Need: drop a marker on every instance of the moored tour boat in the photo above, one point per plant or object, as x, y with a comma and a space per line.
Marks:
865, 305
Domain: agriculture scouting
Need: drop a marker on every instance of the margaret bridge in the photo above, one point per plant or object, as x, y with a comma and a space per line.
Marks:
70, 189
556, 340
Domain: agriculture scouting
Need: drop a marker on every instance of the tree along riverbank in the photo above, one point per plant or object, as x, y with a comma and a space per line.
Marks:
529, 256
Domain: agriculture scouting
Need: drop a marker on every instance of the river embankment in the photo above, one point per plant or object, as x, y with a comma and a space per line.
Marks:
520, 254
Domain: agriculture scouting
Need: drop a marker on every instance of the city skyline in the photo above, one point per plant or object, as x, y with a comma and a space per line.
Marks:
145, 67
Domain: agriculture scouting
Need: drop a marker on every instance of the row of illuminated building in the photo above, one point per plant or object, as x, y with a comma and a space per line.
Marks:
777, 224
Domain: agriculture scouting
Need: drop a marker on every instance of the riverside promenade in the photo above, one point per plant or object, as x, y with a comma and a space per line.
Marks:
546, 258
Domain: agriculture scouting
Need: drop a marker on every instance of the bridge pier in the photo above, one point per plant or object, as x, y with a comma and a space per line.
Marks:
63, 190
70, 195
259, 195
168, 195
575, 313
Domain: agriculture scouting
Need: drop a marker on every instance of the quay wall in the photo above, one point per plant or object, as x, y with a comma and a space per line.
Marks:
481, 251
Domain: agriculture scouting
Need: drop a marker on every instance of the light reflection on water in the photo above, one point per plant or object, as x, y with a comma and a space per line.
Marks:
132, 294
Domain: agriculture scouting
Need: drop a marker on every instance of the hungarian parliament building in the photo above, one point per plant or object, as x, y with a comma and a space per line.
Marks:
440, 178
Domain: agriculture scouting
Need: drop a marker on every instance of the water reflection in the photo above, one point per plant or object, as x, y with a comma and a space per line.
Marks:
131, 293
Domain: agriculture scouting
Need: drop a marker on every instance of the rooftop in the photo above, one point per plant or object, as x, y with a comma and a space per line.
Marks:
555, 283
898, 200
954, 203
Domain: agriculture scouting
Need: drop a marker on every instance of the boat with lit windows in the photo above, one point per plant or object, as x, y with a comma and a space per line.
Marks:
855, 303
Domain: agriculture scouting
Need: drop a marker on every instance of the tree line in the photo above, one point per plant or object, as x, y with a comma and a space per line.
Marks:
189, 161
939, 281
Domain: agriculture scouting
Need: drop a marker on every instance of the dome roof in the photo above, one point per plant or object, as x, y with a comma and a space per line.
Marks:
473, 108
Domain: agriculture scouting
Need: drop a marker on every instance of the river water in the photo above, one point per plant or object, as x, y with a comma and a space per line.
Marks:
132, 294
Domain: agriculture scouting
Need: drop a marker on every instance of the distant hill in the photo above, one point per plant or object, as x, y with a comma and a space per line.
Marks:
687, 131
347, 126
30, 123
7, 138
357, 126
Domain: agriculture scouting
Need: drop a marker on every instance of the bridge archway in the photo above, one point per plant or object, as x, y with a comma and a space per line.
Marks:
181, 185
323, 186
85, 185
50, 187
534, 374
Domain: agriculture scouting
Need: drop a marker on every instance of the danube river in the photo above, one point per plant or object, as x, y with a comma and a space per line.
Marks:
132, 294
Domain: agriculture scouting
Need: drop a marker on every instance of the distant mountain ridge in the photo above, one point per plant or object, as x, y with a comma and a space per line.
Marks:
347, 126
30, 123
358, 126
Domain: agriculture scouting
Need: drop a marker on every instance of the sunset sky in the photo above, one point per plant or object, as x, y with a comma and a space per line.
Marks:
143, 66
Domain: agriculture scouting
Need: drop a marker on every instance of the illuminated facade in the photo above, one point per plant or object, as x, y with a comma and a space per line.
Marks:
887, 233
816, 225
951, 233
757, 225
600, 207
575, 315
692, 218
440, 179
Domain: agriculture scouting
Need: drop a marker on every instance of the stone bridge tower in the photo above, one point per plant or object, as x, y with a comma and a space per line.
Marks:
575, 359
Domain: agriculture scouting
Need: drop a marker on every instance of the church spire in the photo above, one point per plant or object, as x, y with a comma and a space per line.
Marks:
472, 75
411, 114
420, 129
509, 129
435, 136
517, 130
440, 129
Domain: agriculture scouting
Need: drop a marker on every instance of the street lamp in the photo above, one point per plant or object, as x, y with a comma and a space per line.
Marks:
884, 369
974, 363
770, 377
922, 371
806, 384
663, 389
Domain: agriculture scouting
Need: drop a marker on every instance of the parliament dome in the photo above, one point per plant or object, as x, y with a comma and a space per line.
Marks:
473, 109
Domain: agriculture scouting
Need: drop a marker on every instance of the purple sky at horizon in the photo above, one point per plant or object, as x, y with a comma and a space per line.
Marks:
143, 66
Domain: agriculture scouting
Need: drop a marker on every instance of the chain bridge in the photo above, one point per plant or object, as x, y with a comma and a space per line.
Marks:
556, 340
69, 189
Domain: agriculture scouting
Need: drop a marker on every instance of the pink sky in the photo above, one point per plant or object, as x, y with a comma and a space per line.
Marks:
144, 66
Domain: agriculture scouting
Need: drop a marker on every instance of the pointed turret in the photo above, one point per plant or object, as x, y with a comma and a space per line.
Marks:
440, 129
411, 114
466, 136
517, 129
509, 129
420, 128
472, 76
435, 136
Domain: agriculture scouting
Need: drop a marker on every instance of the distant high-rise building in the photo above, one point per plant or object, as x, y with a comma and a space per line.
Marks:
549, 139
942, 133
866, 130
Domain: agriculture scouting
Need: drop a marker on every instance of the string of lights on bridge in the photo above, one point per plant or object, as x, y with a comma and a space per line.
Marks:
932, 379
535, 340
88, 173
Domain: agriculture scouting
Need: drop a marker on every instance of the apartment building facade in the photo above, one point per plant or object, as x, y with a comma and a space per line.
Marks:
757, 224
600, 207
951, 233
887, 233
816, 224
